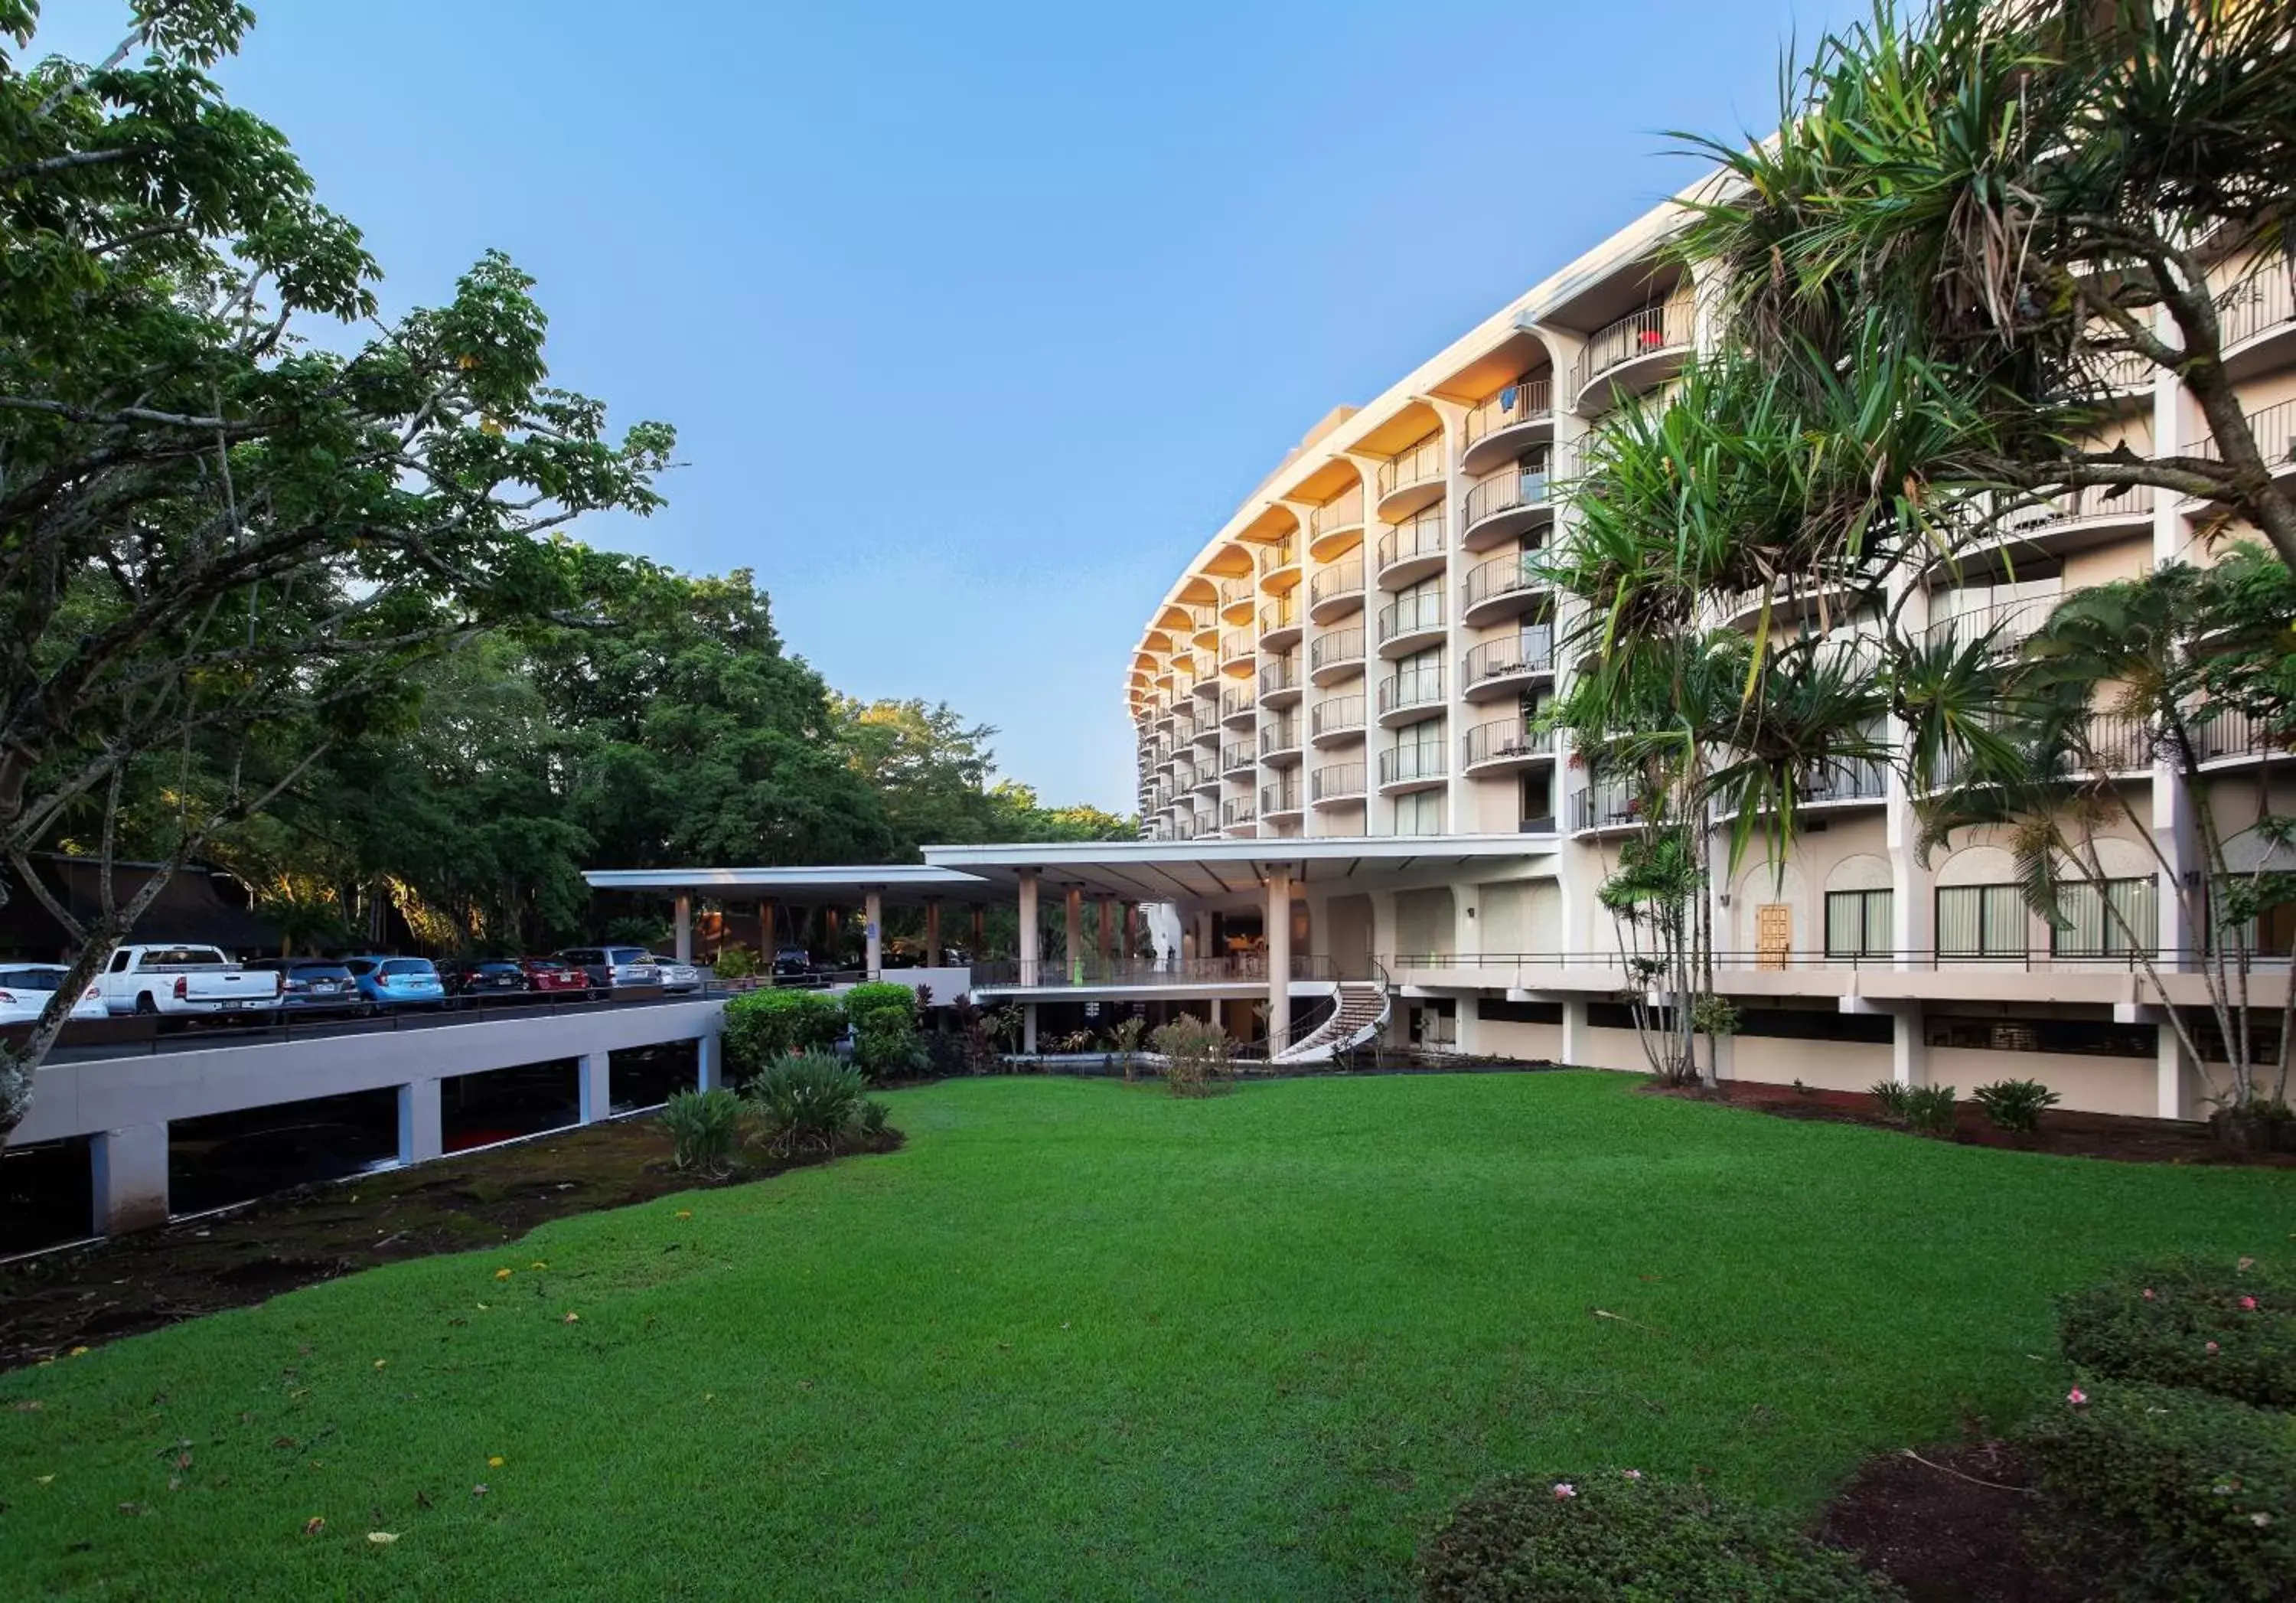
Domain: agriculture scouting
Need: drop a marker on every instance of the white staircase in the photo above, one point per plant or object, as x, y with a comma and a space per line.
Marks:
1358, 1013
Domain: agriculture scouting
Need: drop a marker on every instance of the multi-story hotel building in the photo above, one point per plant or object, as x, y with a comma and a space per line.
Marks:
1347, 676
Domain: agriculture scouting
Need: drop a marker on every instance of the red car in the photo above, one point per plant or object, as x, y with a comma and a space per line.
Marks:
550, 974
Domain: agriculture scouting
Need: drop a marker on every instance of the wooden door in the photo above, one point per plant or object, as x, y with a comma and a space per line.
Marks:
1772, 934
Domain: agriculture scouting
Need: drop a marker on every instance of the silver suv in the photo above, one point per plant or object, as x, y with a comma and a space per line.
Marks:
609, 967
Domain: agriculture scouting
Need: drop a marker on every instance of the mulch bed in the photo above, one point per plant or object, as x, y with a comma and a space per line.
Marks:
83, 1297
1948, 1525
2063, 1133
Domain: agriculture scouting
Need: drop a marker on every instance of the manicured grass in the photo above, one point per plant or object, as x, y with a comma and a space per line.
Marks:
1080, 1340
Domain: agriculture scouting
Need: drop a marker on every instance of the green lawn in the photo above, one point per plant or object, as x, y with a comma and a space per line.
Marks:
1079, 1340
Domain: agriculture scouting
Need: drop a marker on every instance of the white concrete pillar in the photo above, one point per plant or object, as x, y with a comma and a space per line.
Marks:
1072, 928
1574, 1033
1028, 1027
591, 1073
1204, 948
873, 932
707, 1073
684, 918
2168, 1075
1909, 1051
1028, 954
1279, 952
420, 1123
130, 1178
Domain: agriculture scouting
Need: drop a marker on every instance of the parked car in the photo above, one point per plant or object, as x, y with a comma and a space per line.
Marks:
185, 980
310, 984
609, 967
553, 974
676, 975
397, 981
792, 963
483, 976
25, 988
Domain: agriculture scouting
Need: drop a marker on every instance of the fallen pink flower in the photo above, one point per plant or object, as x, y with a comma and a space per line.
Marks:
2248, 1303
2076, 1397
2212, 1346
1564, 1489
2148, 1293
1634, 1475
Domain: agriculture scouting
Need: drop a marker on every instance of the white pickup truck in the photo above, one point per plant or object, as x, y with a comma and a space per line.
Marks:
180, 980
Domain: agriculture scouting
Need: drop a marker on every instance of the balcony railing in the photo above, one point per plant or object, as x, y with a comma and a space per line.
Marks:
1531, 651
1235, 755
1183, 727
1400, 764
2274, 430
1282, 736
1239, 809
1335, 647
1280, 798
1526, 401
1666, 327
1339, 713
1345, 511
1335, 781
2234, 734
2090, 503
1413, 688
1344, 577
1422, 536
1281, 613
2264, 301
2008, 623
1091, 969
1236, 645
1279, 554
1417, 463
1502, 576
1235, 701
1524, 484
1505, 737
1605, 804
1231, 592
1411, 614
1281, 674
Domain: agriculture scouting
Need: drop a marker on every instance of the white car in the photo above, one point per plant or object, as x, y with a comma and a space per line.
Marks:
25, 988
676, 975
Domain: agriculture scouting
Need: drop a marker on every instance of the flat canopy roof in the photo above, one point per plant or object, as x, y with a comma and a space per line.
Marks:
1202, 870
846, 881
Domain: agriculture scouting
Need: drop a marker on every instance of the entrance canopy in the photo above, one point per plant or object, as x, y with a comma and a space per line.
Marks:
899, 883
1213, 870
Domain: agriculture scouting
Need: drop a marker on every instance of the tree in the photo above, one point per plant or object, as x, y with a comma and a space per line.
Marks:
224, 544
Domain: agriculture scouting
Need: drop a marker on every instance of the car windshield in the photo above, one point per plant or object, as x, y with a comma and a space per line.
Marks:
546, 964
493, 969
408, 966
630, 954
30, 979
153, 956
320, 971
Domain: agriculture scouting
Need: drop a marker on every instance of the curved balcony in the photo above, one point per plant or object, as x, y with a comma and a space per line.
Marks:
1605, 806
1503, 747
1183, 726
2256, 320
2273, 428
1637, 354
1238, 705
2078, 519
1335, 591
1280, 800
2001, 627
1519, 416
1239, 812
1279, 623
1336, 524
1407, 697
1411, 479
1208, 686
1411, 550
1235, 651
1499, 668
1502, 587
1336, 785
1279, 741
1413, 624
1413, 768
1336, 654
1237, 759
1336, 720
1183, 778
1204, 626
1509, 503
1208, 779
1237, 600
1279, 565
1279, 682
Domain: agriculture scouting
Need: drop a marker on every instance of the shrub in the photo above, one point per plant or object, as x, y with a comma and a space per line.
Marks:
878, 998
1196, 1056
761, 1025
874, 1117
703, 1126
734, 963
1893, 1101
886, 1041
1930, 1111
1550, 1539
2014, 1105
809, 1102
1124, 1040
2184, 1324
2165, 1492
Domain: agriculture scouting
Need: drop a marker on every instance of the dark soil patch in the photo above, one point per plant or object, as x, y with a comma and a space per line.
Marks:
1949, 1526
2063, 1133
129, 1283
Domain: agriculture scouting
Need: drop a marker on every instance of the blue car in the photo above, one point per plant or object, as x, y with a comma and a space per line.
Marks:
397, 981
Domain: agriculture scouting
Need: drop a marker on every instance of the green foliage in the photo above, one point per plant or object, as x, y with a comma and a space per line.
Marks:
2015, 1105
880, 1000
764, 1025
2230, 1329
735, 963
2170, 1494
886, 1041
875, 1117
1930, 1110
703, 1127
1197, 1056
807, 1102
1614, 1533
1893, 1101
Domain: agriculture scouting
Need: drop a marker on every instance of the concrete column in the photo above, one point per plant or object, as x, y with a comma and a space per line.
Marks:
1072, 952
591, 1074
1105, 936
1574, 1033
1131, 928
1028, 1027
131, 1178
932, 931
684, 915
980, 932
831, 946
2168, 1075
1204, 937
1909, 1051
872, 932
420, 1124
1279, 952
1028, 954
768, 935
708, 1075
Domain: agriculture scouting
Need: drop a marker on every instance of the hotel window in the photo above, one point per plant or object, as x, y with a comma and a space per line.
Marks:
2102, 917
1857, 924
1980, 921
1419, 813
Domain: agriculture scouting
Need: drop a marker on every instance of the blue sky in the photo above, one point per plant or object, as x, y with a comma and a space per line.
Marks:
976, 320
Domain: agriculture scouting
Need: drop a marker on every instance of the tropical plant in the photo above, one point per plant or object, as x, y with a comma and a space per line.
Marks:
735, 963
1893, 1101
1930, 1110
763, 1025
807, 1102
1124, 1040
703, 1127
1199, 1057
2015, 1105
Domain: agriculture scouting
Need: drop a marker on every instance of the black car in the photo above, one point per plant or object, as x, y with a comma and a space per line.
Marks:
483, 976
793, 962
310, 984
